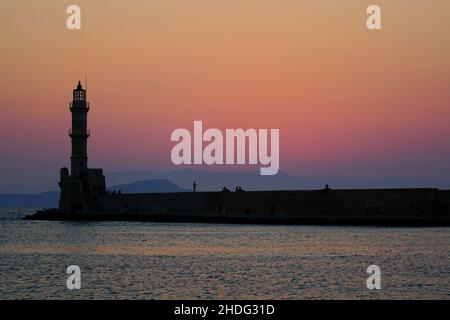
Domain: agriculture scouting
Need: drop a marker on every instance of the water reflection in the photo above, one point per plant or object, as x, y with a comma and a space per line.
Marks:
190, 261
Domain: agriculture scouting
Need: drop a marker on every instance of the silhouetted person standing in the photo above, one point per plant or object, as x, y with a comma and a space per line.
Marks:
194, 186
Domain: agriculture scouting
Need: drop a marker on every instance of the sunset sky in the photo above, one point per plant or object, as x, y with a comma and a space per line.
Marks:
349, 102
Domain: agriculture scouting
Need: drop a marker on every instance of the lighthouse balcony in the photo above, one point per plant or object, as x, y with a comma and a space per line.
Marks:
79, 134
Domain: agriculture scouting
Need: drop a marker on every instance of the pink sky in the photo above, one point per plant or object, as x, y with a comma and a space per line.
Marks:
347, 101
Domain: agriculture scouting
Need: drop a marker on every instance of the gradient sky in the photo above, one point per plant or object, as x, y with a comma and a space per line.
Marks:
348, 101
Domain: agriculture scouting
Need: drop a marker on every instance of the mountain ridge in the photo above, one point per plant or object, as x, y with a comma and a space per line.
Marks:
50, 199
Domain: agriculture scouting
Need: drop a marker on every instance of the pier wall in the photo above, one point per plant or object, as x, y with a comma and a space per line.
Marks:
373, 203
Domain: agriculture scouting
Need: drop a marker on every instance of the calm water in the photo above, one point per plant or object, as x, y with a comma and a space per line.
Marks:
129, 260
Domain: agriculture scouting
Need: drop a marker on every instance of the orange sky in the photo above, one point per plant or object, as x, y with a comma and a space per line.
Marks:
347, 101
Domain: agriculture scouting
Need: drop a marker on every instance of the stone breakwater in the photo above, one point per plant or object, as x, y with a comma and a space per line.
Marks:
387, 207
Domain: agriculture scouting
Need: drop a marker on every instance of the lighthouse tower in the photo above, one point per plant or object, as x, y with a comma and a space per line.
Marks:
79, 133
82, 185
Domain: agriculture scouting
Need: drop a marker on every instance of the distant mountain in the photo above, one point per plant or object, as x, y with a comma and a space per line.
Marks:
148, 186
41, 200
252, 180
51, 199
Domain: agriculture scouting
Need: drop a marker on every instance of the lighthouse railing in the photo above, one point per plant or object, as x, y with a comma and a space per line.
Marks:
80, 133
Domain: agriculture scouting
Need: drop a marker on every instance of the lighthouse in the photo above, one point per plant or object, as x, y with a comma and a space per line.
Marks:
79, 107
81, 185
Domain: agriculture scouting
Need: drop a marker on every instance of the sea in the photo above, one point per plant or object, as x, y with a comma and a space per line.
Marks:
143, 260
